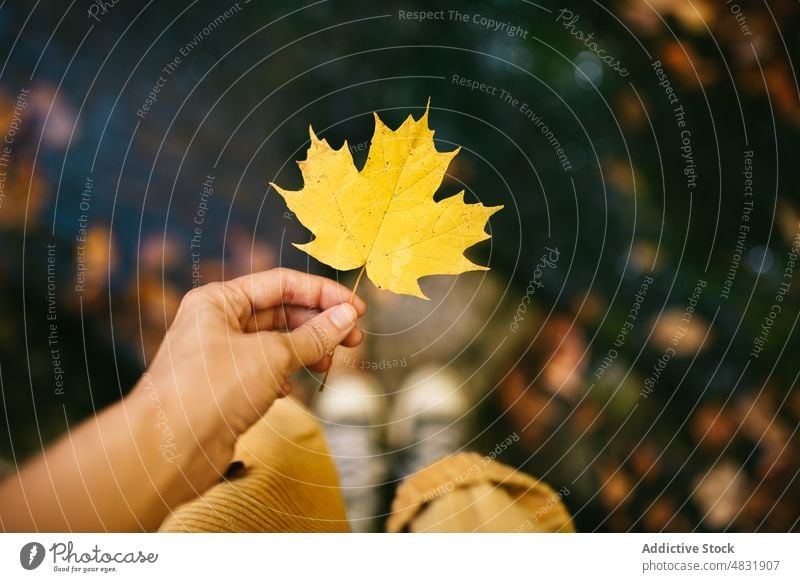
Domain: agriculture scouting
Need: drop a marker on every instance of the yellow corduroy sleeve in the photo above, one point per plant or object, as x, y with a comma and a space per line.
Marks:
287, 482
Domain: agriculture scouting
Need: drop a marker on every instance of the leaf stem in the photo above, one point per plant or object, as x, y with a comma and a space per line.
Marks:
352, 297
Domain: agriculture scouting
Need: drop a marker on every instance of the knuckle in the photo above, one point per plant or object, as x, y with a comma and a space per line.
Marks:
202, 297
201, 293
214, 288
192, 297
233, 296
287, 285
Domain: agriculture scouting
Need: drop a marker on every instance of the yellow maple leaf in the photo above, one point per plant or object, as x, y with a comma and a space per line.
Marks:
384, 217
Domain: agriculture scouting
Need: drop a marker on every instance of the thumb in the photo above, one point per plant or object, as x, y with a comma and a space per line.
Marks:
318, 337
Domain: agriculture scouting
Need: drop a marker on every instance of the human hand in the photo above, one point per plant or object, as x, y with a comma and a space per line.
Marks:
227, 357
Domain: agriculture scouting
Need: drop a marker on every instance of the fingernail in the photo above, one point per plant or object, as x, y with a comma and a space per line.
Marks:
343, 316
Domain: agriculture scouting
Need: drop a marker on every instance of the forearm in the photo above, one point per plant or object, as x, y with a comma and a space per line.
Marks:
223, 363
98, 477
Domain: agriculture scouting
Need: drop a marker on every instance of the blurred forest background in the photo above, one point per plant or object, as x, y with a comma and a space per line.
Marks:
710, 444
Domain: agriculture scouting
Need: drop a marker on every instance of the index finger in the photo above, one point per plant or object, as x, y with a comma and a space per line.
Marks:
282, 286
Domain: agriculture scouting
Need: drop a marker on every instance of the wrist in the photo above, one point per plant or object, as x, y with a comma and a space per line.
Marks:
182, 459
157, 445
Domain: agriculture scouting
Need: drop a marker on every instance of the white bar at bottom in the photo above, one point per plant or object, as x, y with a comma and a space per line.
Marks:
387, 558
